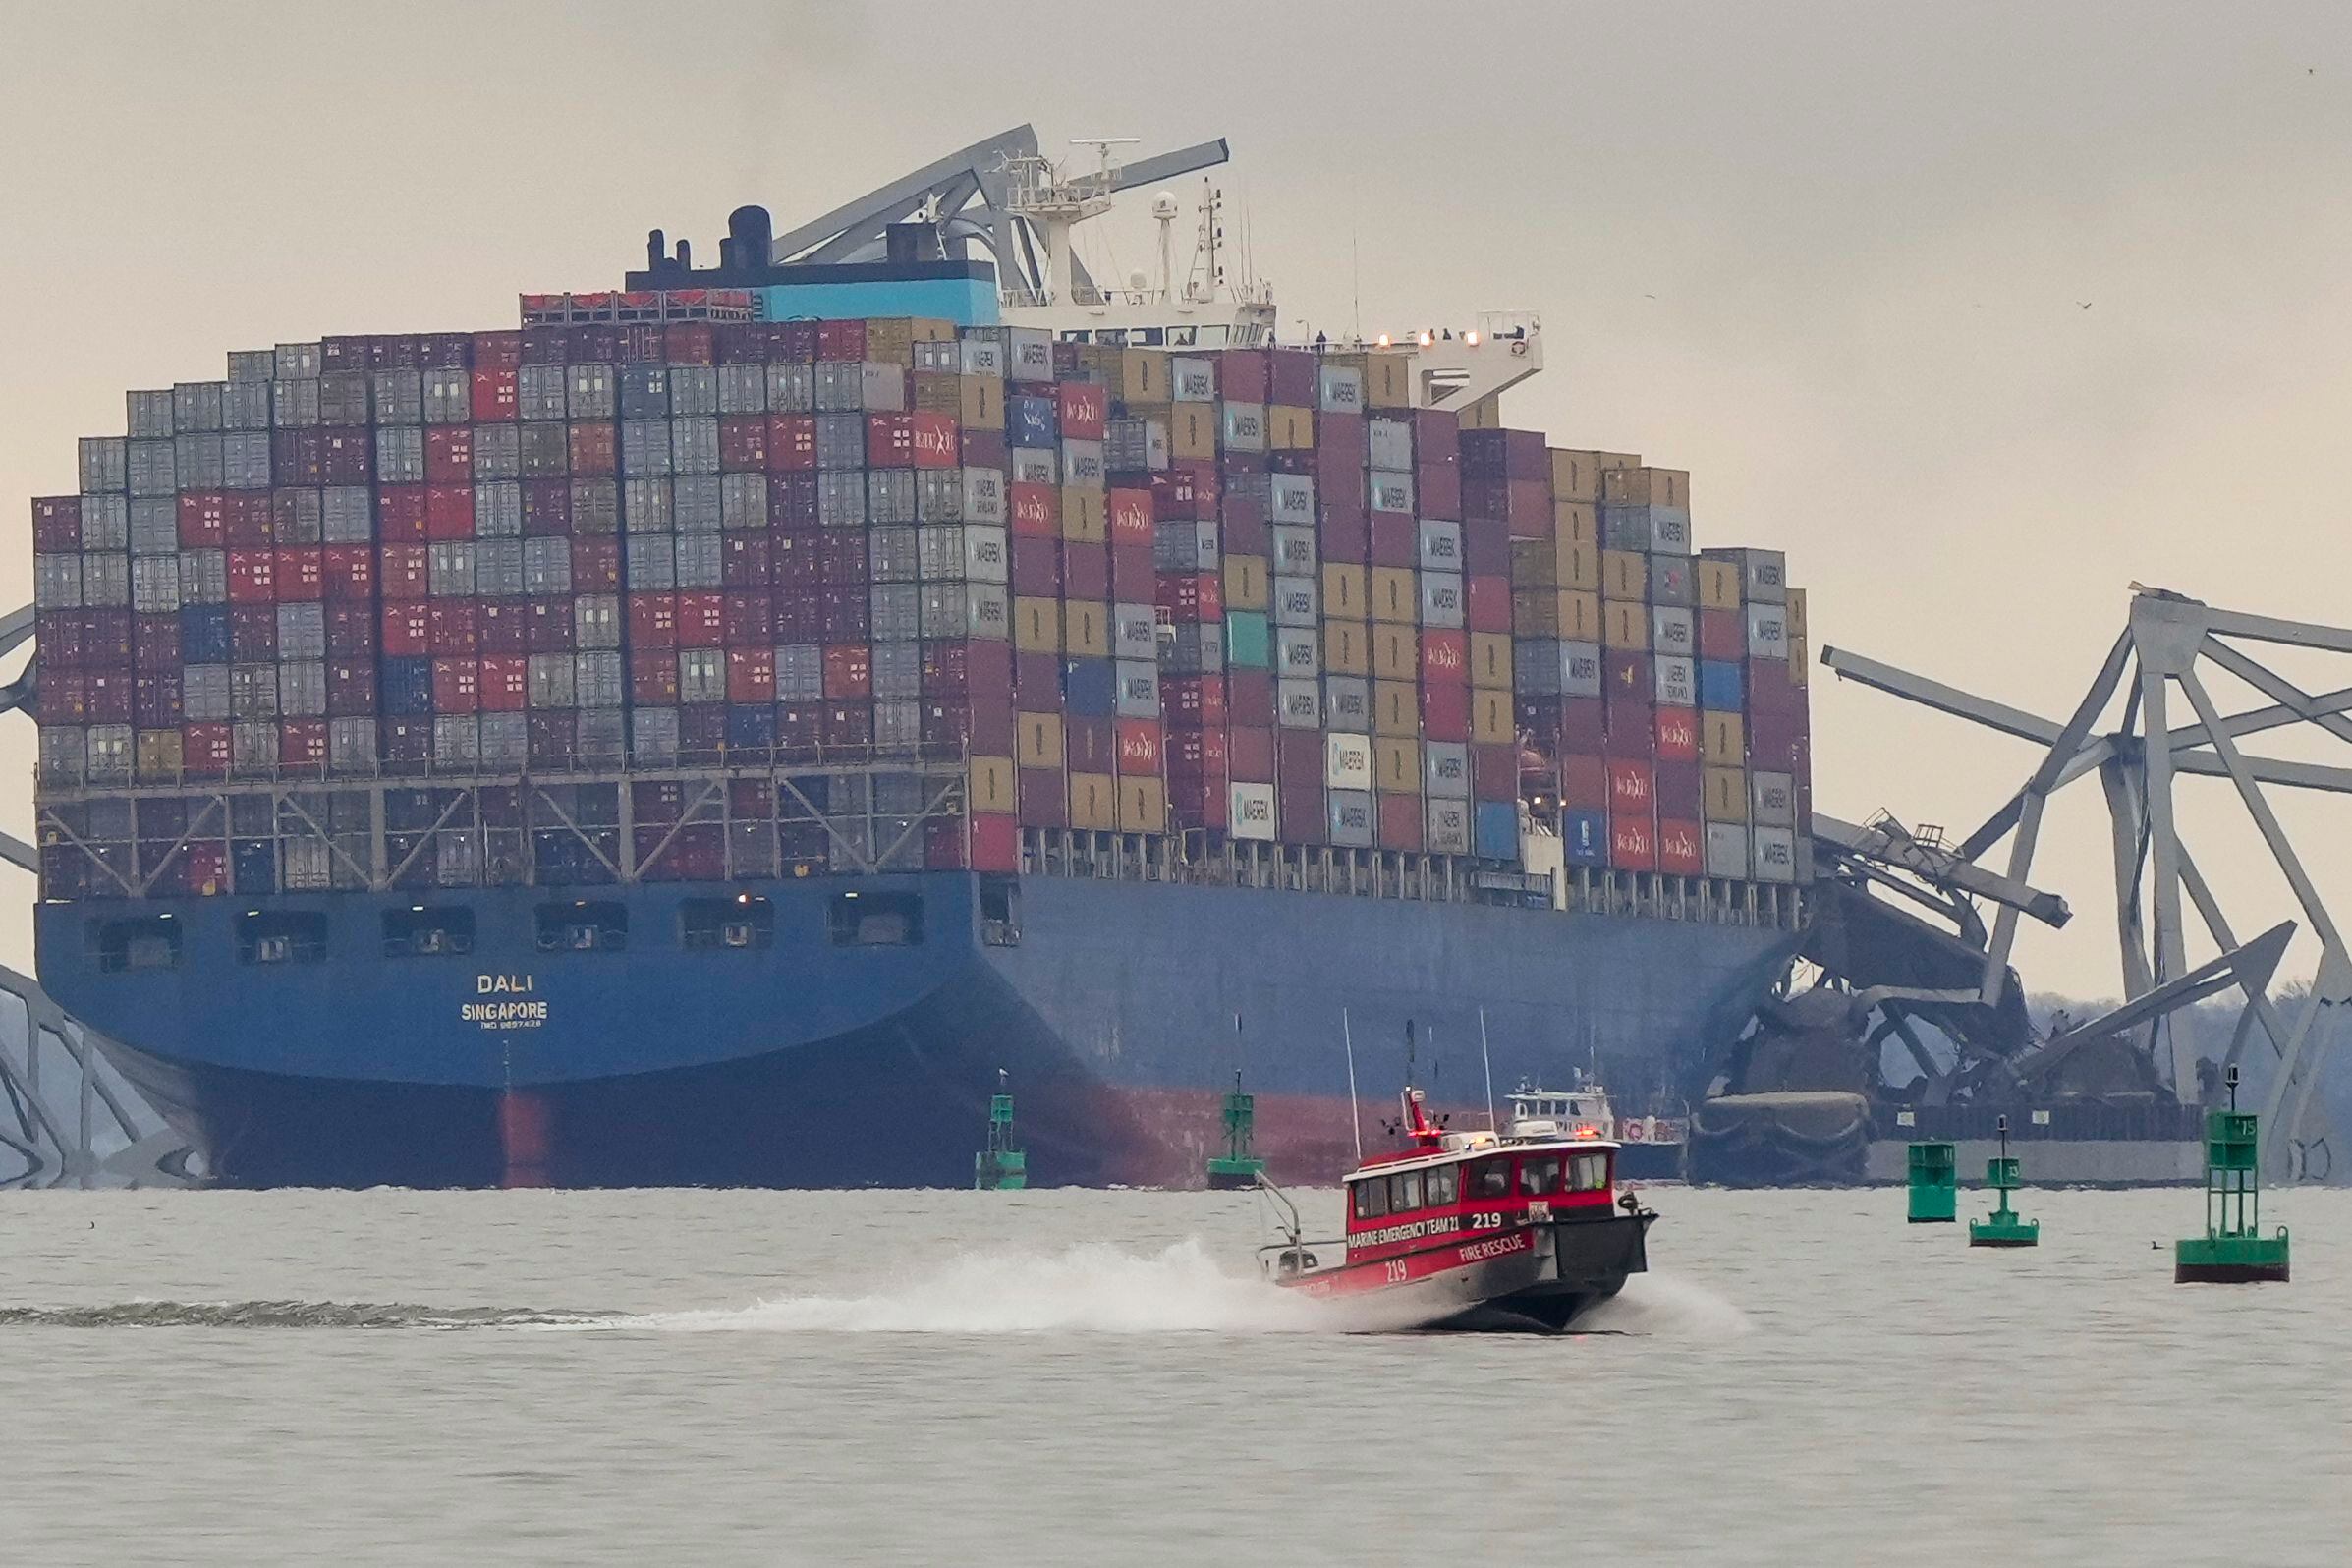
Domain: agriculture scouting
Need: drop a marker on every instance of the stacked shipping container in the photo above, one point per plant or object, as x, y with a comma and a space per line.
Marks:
1252, 592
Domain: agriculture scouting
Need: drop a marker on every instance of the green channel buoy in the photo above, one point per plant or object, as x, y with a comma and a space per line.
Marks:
1237, 1167
1934, 1184
2233, 1251
1002, 1166
2004, 1227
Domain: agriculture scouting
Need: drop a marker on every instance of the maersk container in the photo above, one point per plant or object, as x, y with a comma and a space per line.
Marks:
1184, 547
1033, 465
1290, 500
1768, 631
1295, 552
1082, 463
1773, 798
1241, 427
1347, 703
1441, 604
1250, 812
1339, 389
1295, 706
1138, 689
1390, 493
986, 558
1772, 854
1497, 833
1727, 851
1347, 761
1295, 602
1674, 632
1446, 770
983, 496
1449, 826
1298, 653
1674, 681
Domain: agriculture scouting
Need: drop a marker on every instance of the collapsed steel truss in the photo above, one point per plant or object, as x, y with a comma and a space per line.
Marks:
2161, 647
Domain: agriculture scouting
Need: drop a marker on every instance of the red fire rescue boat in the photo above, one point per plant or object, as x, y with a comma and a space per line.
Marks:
1522, 1230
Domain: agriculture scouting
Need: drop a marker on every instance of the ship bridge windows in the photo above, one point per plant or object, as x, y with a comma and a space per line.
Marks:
746, 922
863, 919
422, 931
582, 928
150, 942
281, 936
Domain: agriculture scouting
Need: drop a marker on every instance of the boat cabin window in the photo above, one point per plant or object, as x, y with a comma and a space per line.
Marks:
1539, 1175
582, 928
1372, 1197
741, 922
1589, 1173
149, 943
1490, 1178
428, 932
877, 919
1404, 1192
281, 936
1441, 1185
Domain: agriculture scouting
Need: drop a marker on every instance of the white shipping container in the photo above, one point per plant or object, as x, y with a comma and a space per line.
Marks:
1441, 599
1294, 551
1290, 500
1340, 389
882, 388
1295, 601
1347, 761
1082, 463
1768, 631
1675, 681
1773, 796
1727, 851
984, 495
1674, 632
1250, 811
1035, 465
1028, 354
1440, 545
1390, 493
1192, 380
1445, 769
1297, 652
1772, 854
1347, 703
1449, 823
986, 555
1389, 443
1296, 705
1135, 632
981, 357
1243, 427
1351, 813
1138, 694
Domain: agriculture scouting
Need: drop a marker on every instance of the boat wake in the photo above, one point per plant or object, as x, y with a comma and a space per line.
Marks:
1091, 1288
1664, 1307
278, 1315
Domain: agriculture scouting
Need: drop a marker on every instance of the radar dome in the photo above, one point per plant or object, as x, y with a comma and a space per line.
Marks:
1163, 205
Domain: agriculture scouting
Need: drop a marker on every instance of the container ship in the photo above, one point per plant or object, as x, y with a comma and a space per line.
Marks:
625, 747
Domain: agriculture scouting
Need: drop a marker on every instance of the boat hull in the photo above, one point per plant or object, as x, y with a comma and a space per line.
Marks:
1536, 1277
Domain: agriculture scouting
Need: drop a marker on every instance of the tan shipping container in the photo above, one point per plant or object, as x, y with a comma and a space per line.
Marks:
1483, 414
1491, 659
1347, 647
156, 756
1037, 627
1625, 576
1143, 375
1722, 739
1624, 627
1347, 591
1086, 629
1086, 513
1037, 739
1571, 615
1396, 764
938, 392
1800, 658
1387, 380
1725, 795
1396, 651
1555, 563
1245, 582
1494, 719
1396, 709
1143, 805
1395, 596
1576, 522
1289, 430
992, 784
1640, 487
983, 402
1718, 584
1095, 802
1795, 618
1193, 430
1576, 476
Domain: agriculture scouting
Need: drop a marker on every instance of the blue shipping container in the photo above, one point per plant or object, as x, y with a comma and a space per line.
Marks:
1720, 685
1030, 422
408, 687
751, 726
1090, 687
1498, 830
204, 633
1586, 837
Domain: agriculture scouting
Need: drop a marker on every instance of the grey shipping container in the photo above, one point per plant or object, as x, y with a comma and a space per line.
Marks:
200, 462
595, 507
203, 577
347, 515
1295, 703
197, 406
694, 391
57, 582
1290, 500
293, 403
1138, 695
302, 686
1193, 647
497, 510
449, 568
244, 461
743, 389
800, 673
600, 679
645, 392
1294, 601
602, 732
696, 504
1449, 831
148, 415
104, 464
456, 743
253, 690
1185, 547
596, 621
897, 726
742, 497
841, 499
1441, 599
298, 515
890, 496
644, 447
895, 554
343, 400
301, 632
938, 495
447, 396
699, 558
153, 470
244, 406
654, 733
497, 451
1297, 652
547, 566
204, 693
154, 525
540, 392
1440, 545
248, 366
352, 745
896, 611
498, 569
589, 392
1445, 769
792, 388
1035, 465
1774, 798
1351, 813
897, 668
105, 582
650, 562
396, 397
1135, 632
550, 681
694, 446
645, 507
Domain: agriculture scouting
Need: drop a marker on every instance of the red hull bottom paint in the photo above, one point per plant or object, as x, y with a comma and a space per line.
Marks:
525, 1138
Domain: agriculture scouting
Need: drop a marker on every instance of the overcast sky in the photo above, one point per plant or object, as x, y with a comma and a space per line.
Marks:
1980, 312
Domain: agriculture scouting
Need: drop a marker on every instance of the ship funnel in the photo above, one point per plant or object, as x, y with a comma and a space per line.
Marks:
656, 250
750, 239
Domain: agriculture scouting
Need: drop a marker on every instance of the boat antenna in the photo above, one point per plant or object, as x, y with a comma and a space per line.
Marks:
1355, 1116
1487, 1056
1408, 1054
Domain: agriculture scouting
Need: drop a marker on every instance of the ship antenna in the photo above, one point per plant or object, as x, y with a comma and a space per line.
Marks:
1487, 1056
1355, 1116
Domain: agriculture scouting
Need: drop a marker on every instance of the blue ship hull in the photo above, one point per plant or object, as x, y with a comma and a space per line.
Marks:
1111, 1006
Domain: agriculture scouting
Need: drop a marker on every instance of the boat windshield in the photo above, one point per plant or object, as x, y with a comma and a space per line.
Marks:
1490, 1178
1540, 1175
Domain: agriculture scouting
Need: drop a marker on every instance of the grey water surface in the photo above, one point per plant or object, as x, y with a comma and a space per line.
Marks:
1068, 1378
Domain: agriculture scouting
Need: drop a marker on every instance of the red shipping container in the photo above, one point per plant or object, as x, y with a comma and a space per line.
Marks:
1037, 682
750, 620
504, 625
155, 641
935, 441
1486, 605
346, 457
552, 736
252, 577
1494, 771
1089, 745
1395, 539
1131, 520
1488, 502
691, 343
1194, 701
954, 728
106, 637
1132, 574
301, 574
303, 742
842, 341
1191, 596
1584, 724
799, 615
400, 513
456, 627
596, 566
57, 524
62, 697
408, 629
995, 842
1036, 511
1633, 843
298, 456
1200, 803
1242, 375
652, 620
252, 633
751, 675
1045, 798
349, 688
1344, 537
449, 511
502, 350
1437, 492
1444, 657
1633, 786
1775, 742
1201, 754
975, 667
1083, 410
793, 342
889, 441
350, 572
845, 558
1486, 552
155, 698
1677, 734
848, 724
60, 637
204, 523
1680, 788
745, 561
742, 443
1446, 714
792, 444
1401, 822
1036, 568
595, 450
247, 521
1681, 848
1250, 696
1249, 754
1630, 729
553, 623
495, 400
984, 449
449, 455
1138, 747
1086, 571
654, 678
1722, 635
351, 631
701, 620
1302, 815
849, 671
205, 750
845, 614
457, 686
796, 560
